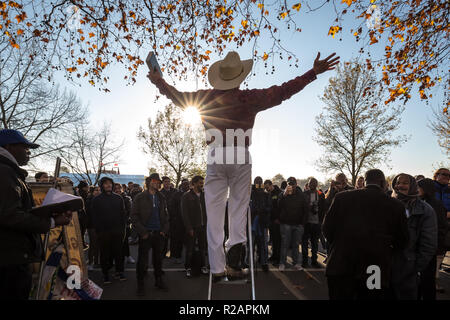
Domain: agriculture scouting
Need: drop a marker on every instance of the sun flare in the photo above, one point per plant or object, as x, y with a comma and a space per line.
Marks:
191, 115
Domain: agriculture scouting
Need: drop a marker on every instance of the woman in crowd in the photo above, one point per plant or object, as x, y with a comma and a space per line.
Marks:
409, 264
427, 192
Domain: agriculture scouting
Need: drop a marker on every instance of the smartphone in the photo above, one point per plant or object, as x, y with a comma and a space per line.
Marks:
152, 63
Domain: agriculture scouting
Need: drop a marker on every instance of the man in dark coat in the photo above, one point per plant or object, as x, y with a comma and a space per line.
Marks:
194, 217
176, 223
150, 218
20, 230
364, 228
274, 227
170, 239
109, 221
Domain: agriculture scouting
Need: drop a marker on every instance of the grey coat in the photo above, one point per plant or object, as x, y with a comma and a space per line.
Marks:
422, 247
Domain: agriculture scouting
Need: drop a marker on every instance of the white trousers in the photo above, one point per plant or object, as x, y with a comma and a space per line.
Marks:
218, 178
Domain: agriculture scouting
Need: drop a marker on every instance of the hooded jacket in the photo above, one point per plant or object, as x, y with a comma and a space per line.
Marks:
293, 208
108, 211
20, 240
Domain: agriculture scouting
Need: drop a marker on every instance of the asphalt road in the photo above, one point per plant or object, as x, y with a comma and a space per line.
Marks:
307, 284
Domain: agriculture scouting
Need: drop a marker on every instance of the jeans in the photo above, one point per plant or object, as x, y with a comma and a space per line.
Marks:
200, 237
312, 233
155, 241
290, 234
111, 245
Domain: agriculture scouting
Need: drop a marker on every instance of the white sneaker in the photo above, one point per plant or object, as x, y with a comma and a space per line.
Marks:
131, 260
298, 267
281, 267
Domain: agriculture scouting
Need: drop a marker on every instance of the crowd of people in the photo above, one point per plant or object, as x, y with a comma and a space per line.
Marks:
400, 229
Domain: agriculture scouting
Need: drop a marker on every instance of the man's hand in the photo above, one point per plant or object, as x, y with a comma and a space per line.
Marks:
153, 75
63, 218
320, 66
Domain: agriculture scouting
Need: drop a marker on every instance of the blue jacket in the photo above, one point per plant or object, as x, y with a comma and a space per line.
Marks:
443, 194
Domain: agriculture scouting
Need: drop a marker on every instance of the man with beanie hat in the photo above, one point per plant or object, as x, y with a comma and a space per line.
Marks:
228, 115
20, 230
109, 221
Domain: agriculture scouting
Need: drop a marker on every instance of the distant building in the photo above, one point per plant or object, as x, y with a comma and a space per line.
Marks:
119, 178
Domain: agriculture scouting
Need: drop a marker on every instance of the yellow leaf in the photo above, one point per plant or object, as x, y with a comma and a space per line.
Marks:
283, 15
92, 82
348, 2
72, 69
91, 34
333, 30
265, 56
297, 6
260, 6
19, 31
244, 23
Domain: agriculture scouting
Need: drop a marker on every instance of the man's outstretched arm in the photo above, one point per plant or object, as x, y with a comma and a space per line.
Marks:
275, 95
180, 99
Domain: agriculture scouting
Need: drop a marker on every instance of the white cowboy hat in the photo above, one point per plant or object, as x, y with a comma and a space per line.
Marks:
230, 72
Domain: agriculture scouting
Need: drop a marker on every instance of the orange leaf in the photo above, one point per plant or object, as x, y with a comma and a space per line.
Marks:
348, 2
265, 56
19, 31
297, 6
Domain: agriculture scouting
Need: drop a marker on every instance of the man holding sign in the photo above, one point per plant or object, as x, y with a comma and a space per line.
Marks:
228, 114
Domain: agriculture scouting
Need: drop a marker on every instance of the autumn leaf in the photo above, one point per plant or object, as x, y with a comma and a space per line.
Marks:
297, 6
72, 69
14, 44
333, 30
348, 2
283, 15
260, 6
91, 34
92, 82
244, 23
19, 32
21, 17
265, 56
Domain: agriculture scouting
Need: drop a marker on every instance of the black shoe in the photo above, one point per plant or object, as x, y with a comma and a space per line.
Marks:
106, 279
122, 277
219, 277
305, 265
160, 284
265, 268
140, 290
315, 264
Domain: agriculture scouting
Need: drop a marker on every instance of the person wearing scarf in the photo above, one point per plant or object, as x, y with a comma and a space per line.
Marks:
422, 224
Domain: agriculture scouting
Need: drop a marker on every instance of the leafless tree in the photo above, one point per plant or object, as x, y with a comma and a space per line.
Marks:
28, 103
91, 152
440, 125
356, 128
177, 149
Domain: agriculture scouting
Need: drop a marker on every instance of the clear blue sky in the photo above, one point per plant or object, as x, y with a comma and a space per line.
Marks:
288, 148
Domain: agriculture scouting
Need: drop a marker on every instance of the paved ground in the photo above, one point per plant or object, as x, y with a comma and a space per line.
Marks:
308, 284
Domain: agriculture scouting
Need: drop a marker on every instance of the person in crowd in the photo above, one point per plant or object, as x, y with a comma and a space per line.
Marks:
261, 207
427, 192
441, 179
94, 250
176, 224
283, 186
194, 218
306, 187
109, 220
364, 227
316, 201
150, 217
168, 191
83, 191
338, 185
127, 202
410, 263
293, 208
41, 177
224, 108
274, 227
419, 177
20, 230
135, 190
360, 183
